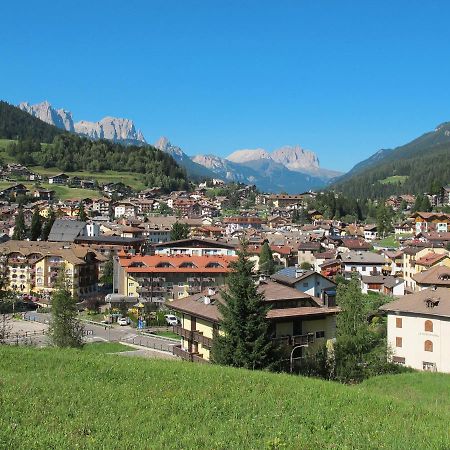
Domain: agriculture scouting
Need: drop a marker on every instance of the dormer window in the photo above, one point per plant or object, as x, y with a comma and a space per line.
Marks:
213, 265
164, 264
188, 264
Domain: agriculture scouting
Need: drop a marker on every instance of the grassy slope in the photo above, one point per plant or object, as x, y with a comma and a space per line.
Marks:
128, 178
72, 399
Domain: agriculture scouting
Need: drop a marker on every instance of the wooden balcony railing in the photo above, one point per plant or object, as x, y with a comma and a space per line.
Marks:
193, 336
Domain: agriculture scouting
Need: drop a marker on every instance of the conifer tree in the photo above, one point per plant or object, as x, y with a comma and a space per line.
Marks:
36, 225
20, 229
266, 262
245, 341
65, 329
81, 212
48, 224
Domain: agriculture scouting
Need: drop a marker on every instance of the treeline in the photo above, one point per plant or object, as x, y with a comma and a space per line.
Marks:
426, 171
18, 124
69, 153
339, 207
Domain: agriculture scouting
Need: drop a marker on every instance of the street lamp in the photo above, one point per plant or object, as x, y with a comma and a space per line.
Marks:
292, 357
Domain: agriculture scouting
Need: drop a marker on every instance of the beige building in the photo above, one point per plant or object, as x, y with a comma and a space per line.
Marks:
296, 319
33, 267
159, 278
416, 260
418, 329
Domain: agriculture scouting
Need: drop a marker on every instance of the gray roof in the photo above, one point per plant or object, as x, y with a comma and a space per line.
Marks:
388, 281
353, 257
291, 275
66, 230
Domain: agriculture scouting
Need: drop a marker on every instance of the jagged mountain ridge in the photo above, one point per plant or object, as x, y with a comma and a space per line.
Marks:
266, 174
112, 128
192, 168
294, 158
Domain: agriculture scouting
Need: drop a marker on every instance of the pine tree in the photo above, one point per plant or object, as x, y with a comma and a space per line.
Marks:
266, 262
65, 329
245, 341
36, 225
81, 212
48, 225
20, 229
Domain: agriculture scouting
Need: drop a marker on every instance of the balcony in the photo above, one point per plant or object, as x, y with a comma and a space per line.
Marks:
183, 354
292, 341
193, 336
187, 356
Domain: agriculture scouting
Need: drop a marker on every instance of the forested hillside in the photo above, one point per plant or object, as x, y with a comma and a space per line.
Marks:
71, 153
18, 124
420, 166
40, 144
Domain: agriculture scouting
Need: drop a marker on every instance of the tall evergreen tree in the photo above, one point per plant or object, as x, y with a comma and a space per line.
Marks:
245, 341
81, 212
65, 329
48, 224
266, 262
36, 225
20, 229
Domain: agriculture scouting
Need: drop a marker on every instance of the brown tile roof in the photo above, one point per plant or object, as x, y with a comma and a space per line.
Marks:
195, 305
430, 259
429, 302
437, 275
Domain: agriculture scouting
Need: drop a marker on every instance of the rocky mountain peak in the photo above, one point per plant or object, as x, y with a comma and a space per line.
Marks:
112, 128
296, 158
242, 156
44, 111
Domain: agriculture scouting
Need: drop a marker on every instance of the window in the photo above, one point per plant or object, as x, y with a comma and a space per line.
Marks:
398, 360
398, 342
429, 326
363, 268
429, 366
428, 346
398, 322
320, 334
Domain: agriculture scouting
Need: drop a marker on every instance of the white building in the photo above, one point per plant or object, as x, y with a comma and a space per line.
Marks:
418, 329
365, 263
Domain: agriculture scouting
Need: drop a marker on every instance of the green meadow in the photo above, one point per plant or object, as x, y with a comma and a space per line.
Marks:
61, 399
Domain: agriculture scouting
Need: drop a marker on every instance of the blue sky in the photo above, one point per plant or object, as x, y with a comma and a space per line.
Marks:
342, 78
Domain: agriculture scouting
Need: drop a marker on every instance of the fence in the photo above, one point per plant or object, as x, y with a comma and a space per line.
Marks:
16, 338
142, 341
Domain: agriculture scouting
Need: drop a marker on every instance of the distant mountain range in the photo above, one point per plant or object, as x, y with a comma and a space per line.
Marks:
288, 169
111, 128
418, 167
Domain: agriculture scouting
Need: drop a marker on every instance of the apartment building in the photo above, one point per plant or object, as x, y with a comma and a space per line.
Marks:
32, 267
296, 319
161, 278
418, 329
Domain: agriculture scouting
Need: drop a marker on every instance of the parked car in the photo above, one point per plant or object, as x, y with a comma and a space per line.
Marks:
171, 319
123, 321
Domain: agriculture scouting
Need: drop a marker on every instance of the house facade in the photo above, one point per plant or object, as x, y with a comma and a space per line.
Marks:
295, 319
418, 330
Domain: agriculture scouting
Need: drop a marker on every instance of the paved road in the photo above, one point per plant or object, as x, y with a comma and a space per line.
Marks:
116, 333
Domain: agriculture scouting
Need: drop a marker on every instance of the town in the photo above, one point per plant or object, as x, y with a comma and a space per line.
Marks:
171, 252
225, 225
